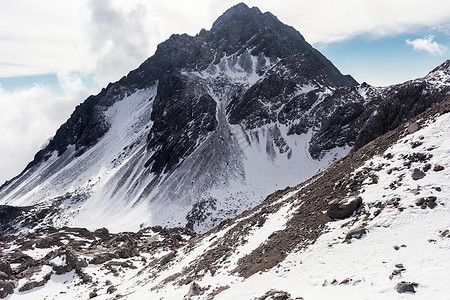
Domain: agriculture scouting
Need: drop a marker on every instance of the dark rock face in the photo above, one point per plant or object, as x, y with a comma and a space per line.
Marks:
404, 101
182, 117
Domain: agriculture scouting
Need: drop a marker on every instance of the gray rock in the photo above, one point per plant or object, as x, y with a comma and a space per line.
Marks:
6, 288
111, 289
413, 127
341, 209
438, 168
355, 233
72, 263
31, 285
194, 290
276, 295
406, 287
417, 174
92, 295
5, 268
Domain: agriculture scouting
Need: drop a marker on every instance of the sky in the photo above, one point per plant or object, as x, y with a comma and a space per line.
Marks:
55, 53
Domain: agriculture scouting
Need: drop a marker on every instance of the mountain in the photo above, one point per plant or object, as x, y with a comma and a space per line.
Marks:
205, 129
373, 225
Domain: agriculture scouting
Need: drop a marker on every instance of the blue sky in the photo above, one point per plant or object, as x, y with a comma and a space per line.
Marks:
55, 53
386, 60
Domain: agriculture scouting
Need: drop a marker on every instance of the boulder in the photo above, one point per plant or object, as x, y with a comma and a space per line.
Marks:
355, 233
406, 287
438, 168
194, 290
5, 268
413, 127
111, 289
417, 174
341, 209
6, 288
72, 263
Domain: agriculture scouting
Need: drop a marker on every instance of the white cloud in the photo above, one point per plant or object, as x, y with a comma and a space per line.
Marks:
111, 37
29, 117
427, 44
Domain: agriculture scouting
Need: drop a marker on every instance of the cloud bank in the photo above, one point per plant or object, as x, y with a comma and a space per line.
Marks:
29, 117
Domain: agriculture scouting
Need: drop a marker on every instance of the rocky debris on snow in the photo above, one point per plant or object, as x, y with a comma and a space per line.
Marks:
427, 202
69, 249
341, 209
399, 268
406, 287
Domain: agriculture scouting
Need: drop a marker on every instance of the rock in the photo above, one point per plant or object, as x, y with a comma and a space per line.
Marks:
102, 231
194, 290
417, 174
275, 295
438, 168
92, 295
420, 201
406, 287
261, 221
111, 289
108, 282
5, 268
345, 281
341, 209
3, 276
416, 144
6, 288
431, 204
432, 198
102, 258
31, 285
72, 263
426, 167
413, 127
167, 258
355, 233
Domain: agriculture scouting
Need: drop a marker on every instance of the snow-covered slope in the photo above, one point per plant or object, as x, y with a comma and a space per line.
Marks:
373, 225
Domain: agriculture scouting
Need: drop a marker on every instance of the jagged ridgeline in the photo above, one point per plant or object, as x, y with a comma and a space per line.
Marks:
206, 128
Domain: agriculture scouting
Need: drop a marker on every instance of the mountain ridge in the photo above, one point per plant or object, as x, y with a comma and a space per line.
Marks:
208, 128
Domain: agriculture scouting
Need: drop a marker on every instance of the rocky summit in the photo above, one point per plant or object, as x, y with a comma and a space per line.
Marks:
174, 163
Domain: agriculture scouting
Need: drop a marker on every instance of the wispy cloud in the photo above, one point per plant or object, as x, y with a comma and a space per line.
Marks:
427, 44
